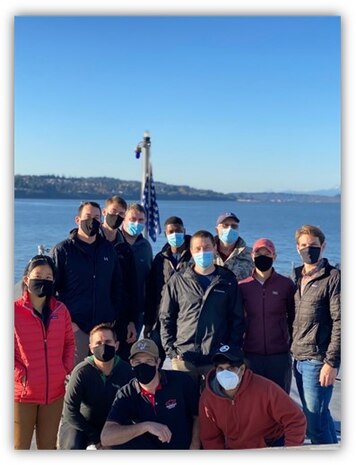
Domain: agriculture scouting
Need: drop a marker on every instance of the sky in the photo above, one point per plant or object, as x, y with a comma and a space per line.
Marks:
233, 103
138, 108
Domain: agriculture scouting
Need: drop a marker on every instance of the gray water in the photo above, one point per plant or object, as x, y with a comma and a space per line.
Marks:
47, 222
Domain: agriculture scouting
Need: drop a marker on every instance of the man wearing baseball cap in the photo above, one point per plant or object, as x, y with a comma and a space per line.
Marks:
232, 251
241, 410
268, 301
158, 409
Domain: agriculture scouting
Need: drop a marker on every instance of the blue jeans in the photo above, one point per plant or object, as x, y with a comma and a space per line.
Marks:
315, 400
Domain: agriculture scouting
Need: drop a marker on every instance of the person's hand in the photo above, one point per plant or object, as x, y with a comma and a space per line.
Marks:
147, 331
99, 446
131, 333
327, 375
158, 429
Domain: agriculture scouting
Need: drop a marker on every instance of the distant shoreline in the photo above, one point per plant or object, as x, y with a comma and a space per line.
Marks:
61, 187
304, 199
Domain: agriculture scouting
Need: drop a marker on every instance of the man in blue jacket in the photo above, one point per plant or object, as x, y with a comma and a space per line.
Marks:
88, 278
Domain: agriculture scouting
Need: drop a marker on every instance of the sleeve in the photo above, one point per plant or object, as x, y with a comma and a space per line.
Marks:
69, 343
168, 312
290, 309
155, 283
236, 316
20, 369
121, 409
57, 255
333, 354
288, 414
75, 393
211, 435
118, 297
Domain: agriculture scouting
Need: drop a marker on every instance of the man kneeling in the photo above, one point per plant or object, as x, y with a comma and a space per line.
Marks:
241, 410
158, 409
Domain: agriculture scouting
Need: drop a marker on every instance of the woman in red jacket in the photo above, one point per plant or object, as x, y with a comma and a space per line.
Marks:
44, 355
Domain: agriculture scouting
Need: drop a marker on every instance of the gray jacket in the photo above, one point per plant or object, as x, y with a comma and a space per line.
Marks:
194, 323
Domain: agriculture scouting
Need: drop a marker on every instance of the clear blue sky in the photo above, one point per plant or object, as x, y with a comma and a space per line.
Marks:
232, 103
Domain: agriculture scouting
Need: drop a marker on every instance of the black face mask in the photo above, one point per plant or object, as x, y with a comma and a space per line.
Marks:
113, 221
90, 226
104, 352
41, 287
144, 373
310, 254
263, 263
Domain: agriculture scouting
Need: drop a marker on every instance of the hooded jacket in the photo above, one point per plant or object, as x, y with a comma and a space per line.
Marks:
91, 286
194, 323
43, 356
317, 323
259, 414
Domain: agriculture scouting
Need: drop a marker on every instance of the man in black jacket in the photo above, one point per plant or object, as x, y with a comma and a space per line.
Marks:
114, 214
201, 307
316, 333
174, 256
88, 278
91, 390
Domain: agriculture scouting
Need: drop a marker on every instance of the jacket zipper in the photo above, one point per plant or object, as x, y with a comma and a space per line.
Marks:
211, 286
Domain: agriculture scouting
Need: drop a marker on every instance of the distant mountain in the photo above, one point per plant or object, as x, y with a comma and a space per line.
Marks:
327, 192
51, 186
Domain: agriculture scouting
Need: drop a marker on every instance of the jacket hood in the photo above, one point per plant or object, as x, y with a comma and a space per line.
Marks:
246, 379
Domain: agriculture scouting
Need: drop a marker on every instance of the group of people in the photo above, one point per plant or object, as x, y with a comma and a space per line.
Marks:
233, 328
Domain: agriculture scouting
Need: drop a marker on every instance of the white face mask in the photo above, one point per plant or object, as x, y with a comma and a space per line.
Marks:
228, 379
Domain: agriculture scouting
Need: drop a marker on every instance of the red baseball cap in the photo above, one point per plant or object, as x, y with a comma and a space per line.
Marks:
266, 243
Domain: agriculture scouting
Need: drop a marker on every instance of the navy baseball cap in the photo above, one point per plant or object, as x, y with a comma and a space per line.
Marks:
225, 216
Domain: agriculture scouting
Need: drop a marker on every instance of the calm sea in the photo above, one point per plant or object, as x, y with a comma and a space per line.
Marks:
48, 222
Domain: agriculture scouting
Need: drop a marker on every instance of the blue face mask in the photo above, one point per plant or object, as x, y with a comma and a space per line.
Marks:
204, 259
134, 229
175, 239
229, 236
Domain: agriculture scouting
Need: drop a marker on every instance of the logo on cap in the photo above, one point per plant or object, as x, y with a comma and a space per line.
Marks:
142, 345
224, 348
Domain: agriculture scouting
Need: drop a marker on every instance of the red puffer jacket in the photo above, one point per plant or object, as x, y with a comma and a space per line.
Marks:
42, 357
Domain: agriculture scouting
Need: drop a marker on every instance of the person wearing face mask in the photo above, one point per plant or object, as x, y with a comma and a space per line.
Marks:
44, 354
174, 256
201, 305
268, 301
231, 249
91, 390
89, 278
241, 410
114, 214
132, 228
316, 346
157, 409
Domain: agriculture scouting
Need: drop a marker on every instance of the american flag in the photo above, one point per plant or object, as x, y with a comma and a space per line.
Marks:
149, 203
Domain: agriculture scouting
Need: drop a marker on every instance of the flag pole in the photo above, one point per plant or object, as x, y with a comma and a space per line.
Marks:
146, 146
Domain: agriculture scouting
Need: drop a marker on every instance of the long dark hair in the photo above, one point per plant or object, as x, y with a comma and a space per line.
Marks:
35, 261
